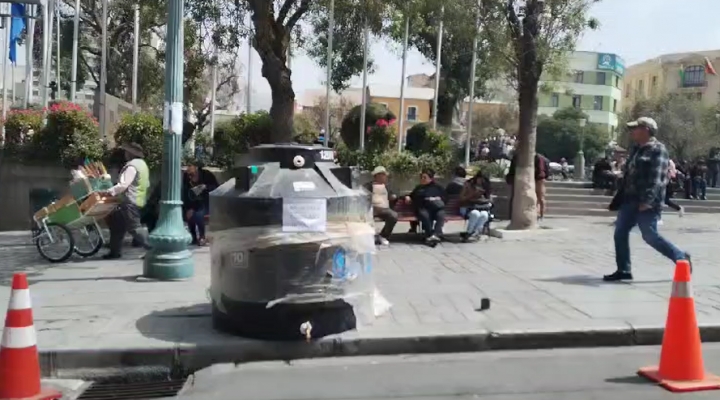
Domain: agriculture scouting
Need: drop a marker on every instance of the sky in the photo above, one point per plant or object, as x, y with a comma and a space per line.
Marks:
634, 29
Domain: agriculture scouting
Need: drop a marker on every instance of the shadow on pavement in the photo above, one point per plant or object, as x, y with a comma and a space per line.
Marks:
580, 280
129, 278
632, 380
178, 324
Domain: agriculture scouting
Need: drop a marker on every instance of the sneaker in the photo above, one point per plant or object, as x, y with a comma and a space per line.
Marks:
383, 241
681, 211
618, 276
433, 239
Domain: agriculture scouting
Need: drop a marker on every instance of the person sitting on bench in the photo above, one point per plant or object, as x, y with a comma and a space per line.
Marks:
453, 189
382, 202
428, 199
475, 205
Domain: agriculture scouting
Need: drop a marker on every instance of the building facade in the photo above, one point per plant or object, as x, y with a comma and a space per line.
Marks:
417, 105
593, 83
683, 73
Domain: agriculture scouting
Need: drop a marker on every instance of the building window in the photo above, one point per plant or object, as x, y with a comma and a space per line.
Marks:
600, 78
577, 101
694, 76
641, 87
579, 76
614, 106
412, 113
555, 100
654, 83
628, 89
617, 81
598, 103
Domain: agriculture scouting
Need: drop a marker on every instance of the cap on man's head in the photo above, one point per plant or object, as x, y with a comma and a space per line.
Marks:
379, 170
646, 122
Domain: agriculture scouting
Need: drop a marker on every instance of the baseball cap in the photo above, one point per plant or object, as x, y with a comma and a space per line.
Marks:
646, 122
379, 170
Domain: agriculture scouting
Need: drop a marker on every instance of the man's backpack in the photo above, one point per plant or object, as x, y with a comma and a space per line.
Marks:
542, 167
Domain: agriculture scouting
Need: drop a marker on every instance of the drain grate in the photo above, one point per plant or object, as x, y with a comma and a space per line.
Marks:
133, 390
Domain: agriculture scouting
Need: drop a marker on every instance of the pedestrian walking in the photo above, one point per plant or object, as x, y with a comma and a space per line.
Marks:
670, 189
640, 198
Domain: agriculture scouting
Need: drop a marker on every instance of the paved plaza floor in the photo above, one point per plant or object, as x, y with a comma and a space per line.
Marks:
542, 284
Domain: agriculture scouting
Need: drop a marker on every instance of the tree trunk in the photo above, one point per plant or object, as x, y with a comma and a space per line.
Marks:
524, 214
446, 109
271, 42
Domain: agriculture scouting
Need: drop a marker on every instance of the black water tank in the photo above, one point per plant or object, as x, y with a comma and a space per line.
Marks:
291, 243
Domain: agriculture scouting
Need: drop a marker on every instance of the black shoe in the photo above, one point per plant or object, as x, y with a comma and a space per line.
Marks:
464, 236
111, 256
618, 276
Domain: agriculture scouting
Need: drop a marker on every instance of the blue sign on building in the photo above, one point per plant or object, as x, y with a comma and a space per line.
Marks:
611, 62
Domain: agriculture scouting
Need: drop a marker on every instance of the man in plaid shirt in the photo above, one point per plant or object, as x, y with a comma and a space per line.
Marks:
641, 196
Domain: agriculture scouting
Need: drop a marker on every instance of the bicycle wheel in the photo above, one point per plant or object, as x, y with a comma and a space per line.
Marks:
60, 248
88, 241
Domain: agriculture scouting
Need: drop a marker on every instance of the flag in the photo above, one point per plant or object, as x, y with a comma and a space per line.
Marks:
16, 27
709, 69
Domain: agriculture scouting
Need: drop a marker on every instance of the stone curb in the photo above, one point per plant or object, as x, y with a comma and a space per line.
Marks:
183, 359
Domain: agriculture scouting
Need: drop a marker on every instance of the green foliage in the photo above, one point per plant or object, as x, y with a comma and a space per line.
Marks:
378, 136
560, 136
422, 139
489, 169
145, 130
19, 124
305, 130
239, 135
71, 134
686, 126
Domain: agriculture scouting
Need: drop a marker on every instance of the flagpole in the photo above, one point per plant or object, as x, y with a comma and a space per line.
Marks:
29, 77
471, 100
136, 54
57, 56
45, 58
328, 73
248, 95
6, 38
363, 106
438, 56
402, 113
76, 39
103, 69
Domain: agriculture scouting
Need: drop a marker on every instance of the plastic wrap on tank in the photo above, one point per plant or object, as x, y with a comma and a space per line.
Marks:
295, 236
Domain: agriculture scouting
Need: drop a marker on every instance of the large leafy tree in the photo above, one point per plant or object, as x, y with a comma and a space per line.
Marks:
531, 38
202, 36
687, 127
560, 136
460, 27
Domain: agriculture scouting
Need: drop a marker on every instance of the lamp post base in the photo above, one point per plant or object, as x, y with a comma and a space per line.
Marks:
169, 266
169, 259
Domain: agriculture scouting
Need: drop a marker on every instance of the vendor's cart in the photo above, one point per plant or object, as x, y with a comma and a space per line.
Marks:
71, 224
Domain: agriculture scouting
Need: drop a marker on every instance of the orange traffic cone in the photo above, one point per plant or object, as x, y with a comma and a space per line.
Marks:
681, 363
19, 363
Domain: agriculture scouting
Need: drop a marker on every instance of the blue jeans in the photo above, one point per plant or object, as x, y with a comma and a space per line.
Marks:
699, 187
476, 219
196, 224
629, 215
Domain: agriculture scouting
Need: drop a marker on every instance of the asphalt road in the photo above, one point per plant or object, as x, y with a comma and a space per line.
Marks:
568, 374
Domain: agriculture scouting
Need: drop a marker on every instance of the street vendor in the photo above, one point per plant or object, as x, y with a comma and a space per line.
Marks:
132, 188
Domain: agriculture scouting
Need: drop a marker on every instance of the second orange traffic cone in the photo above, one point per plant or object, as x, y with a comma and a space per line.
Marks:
681, 366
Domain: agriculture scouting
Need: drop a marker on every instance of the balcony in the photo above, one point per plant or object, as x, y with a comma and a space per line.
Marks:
693, 85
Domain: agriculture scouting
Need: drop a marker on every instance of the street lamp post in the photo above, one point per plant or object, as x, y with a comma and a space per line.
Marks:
580, 158
169, 258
